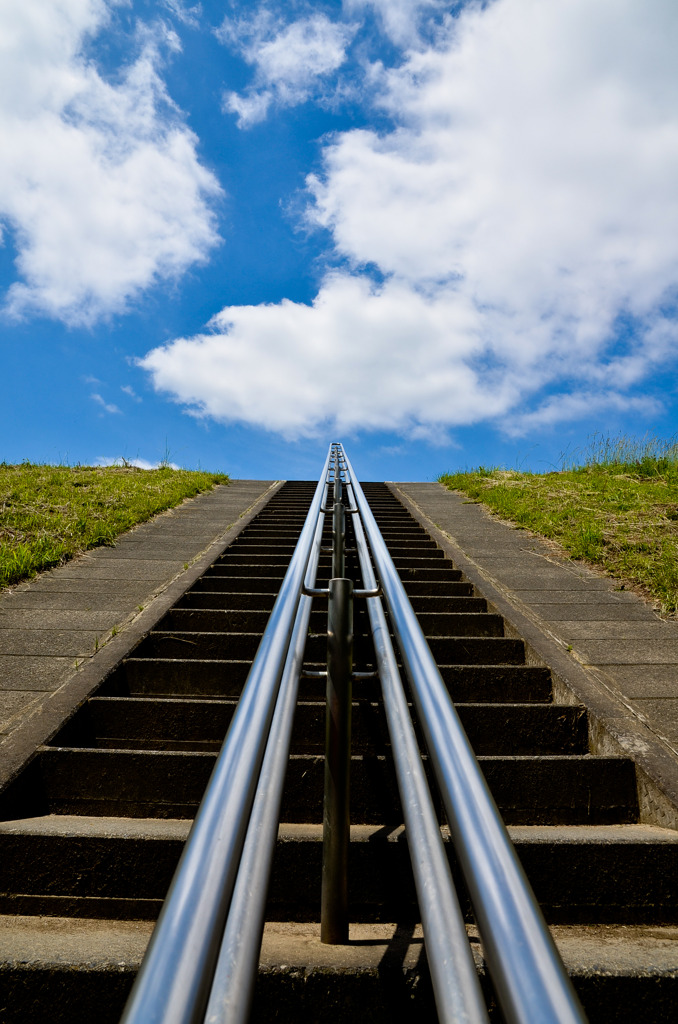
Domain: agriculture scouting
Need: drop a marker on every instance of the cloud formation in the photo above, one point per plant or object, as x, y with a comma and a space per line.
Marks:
522, 215
289, 59
348, 360
100, 183
120, 460
106, 406
401, 19
183, 13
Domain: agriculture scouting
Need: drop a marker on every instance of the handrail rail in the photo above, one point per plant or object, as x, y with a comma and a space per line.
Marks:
454, 976
528, 975
174, 981
233, 986
201, 962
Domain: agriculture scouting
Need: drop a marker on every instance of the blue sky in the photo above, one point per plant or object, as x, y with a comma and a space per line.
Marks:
446, 234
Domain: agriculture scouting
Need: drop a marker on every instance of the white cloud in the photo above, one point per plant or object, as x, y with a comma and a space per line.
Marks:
524, 214
288, 59
120, 460
106, 406
584, 404
100, 183
400, 18
130, 392
350, 359
250, 108
183, 13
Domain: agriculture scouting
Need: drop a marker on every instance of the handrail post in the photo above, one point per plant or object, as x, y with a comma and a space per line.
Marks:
338, 540
336, 819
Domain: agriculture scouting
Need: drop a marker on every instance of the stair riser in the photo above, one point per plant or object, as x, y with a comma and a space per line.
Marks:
448, 603
433, 588
180, 677
202, 725
57, 992
240, 580
568, 790
238, 601
276, 567
127, 879
195, 600
238, 646
249, 621
293, 993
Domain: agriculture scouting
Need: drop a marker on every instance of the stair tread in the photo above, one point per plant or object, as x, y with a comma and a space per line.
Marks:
68, 943
90, 826
89, 944
83, 826
618, 950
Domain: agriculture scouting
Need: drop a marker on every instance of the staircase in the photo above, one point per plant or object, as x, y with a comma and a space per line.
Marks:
92, 830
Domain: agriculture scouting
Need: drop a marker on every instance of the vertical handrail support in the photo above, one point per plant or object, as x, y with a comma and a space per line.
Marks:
336, 809
338, 540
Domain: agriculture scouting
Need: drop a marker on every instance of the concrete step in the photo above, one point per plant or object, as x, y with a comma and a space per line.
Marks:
257, 551
265, 583
248, 565
185, 724
454, 624
553, 789
218, 620
120, 868
215, 677
621, 975
473, 650
460, 650
191, 677
392, 974
239, 645
67, 969
425, 568
436, 588
249, 620
237, 601
428, 603
401, 552
408, 539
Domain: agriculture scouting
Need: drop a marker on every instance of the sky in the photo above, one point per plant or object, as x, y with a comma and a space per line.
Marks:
445, 234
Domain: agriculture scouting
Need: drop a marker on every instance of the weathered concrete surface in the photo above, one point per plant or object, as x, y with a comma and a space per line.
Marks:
289, 948
61, 632
608, 646
75, 944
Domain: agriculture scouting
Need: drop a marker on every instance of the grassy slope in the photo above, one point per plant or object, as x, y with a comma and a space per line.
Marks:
621, 517
50, 513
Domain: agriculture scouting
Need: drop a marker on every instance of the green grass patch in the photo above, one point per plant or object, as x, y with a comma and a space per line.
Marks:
618, 511
48, 514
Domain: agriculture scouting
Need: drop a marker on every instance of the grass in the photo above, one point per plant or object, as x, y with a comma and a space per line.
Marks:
617, 510
48, 514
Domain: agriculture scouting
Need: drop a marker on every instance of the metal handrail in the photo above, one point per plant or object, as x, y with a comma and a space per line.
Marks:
454, 976
233, 986
528, 975
201, 963
174, 981
234, 978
